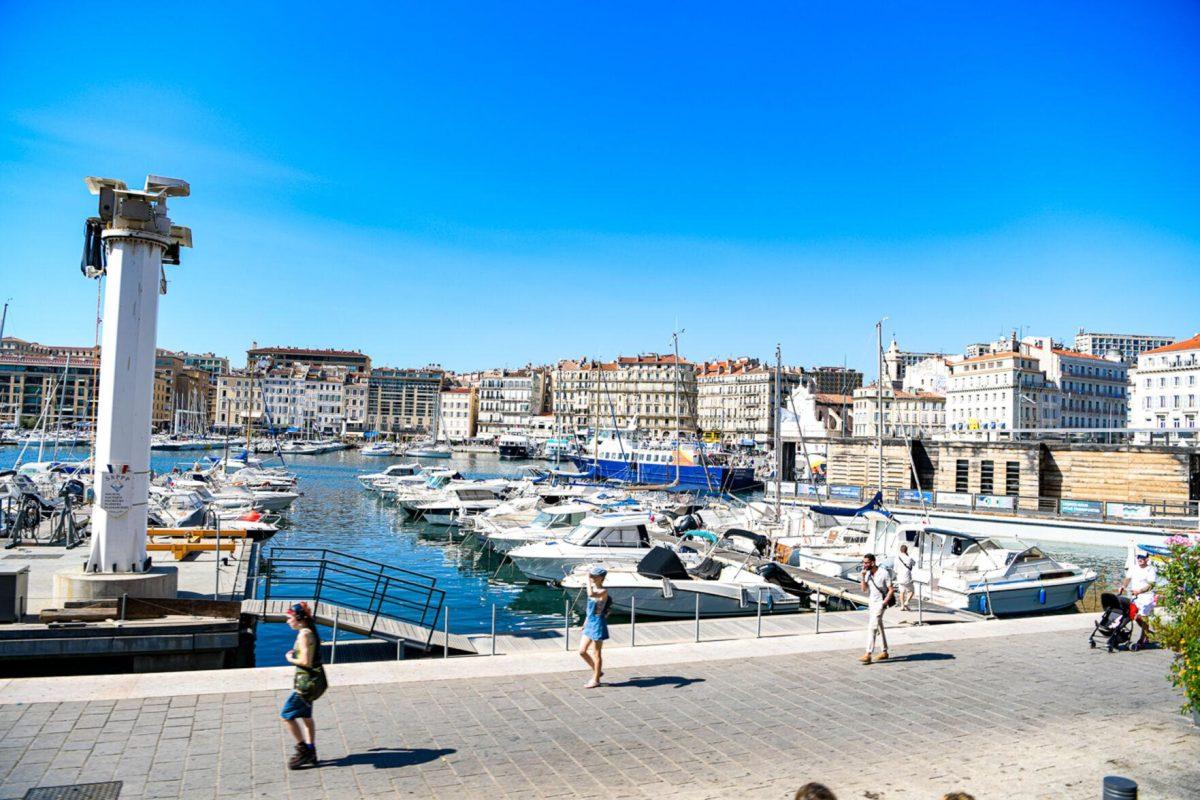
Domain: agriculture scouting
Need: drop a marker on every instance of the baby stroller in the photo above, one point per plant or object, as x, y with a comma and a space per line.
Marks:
1116, 624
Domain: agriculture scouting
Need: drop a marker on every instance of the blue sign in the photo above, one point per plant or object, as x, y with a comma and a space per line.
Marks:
845, 492
914, 496
1081, 508
808, 490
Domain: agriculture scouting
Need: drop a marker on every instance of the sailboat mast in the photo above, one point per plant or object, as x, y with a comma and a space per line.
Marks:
675, 339
879, 396
778, 443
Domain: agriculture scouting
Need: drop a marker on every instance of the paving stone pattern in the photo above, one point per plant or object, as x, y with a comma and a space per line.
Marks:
1014, 717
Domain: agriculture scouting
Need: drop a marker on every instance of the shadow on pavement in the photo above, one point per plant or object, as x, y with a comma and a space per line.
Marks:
917, 657
660, 680
389, 757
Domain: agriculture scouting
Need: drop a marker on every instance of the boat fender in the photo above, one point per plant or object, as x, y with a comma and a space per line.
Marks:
1080, 591
668, 590
1042, 596
983, 604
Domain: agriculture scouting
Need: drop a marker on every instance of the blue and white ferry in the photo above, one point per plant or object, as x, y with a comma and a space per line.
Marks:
682, 465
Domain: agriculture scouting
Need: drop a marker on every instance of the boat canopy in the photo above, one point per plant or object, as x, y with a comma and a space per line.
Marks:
662, 562
876, 504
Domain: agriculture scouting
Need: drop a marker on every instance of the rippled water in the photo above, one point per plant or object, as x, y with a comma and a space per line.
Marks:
337, 513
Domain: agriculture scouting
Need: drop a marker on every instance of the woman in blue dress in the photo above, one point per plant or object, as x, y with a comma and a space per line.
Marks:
595, 627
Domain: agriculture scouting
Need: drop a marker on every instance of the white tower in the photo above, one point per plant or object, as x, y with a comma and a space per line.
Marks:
137, 237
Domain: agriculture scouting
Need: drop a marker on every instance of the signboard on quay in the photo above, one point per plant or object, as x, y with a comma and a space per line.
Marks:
845, 492
954, 499
1081, 508
995, 501
1127, 510
808, 490
914, 496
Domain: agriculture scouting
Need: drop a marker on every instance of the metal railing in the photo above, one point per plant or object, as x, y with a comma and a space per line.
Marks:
1157, 511
339, 579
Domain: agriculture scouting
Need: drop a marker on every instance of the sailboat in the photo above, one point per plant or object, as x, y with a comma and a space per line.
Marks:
430, 448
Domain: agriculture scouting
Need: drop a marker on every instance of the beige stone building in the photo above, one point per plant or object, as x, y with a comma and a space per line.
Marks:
458, 414
913, 414
631, 393
735, 399
508, 400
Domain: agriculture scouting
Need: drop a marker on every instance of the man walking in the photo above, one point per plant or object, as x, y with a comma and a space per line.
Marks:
878, 586
904, 576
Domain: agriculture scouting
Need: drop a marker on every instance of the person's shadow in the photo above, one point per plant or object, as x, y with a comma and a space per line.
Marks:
675, 681
390, 757
915, 657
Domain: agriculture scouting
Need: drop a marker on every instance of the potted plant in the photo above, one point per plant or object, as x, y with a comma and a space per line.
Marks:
1177, 623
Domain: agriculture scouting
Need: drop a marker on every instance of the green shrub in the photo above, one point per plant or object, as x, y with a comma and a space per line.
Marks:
1177, 623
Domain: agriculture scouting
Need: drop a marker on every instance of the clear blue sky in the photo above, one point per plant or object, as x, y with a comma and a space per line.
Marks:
482, 185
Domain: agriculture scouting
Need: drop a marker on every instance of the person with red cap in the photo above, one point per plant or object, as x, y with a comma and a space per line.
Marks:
309, 684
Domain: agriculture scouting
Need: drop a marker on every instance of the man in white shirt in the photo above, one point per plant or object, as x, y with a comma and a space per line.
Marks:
904, 576
1140, 583
878, 586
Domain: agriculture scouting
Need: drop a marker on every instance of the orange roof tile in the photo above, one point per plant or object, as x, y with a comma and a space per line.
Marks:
1187, 344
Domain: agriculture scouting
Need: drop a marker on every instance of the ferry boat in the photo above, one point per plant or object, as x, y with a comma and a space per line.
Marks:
513, 446
682, 465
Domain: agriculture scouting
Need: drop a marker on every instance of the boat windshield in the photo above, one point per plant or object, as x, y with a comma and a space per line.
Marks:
582, 534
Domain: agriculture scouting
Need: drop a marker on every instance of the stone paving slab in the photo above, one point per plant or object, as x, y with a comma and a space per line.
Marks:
1016, 716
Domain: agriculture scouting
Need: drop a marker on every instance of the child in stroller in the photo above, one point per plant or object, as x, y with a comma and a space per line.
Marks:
1116, 624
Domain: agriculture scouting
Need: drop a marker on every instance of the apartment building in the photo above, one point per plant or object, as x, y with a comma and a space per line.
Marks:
652, 393
735, 399
915, 414
270, 358
457, 415
834, 380
1001, 391
896, 362
403, 402
1093, 389
1129, 345
508, 399
1166, 387
38, 385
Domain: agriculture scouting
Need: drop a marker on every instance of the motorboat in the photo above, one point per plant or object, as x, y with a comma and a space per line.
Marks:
512, 446
459, 499
550, 523
661, 586
428, 450
378, 449
606, 539
376, 481
991, 575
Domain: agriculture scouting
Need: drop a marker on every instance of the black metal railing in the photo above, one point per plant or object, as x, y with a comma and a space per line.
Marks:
381, 591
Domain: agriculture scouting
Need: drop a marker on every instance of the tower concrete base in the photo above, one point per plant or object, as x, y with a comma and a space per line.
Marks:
77, 585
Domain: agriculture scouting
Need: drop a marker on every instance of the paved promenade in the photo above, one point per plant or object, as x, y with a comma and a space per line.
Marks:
1014, 710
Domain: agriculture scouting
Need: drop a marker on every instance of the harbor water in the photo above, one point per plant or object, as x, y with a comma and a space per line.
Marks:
335, 512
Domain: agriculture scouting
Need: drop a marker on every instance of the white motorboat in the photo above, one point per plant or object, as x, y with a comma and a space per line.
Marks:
377, 481
378, 449
428, 450
606, 539
661, 586
989, 575
550, 523
459, 499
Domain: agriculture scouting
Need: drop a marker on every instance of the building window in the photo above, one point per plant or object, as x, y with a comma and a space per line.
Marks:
961, 471
1012, 478
986, 476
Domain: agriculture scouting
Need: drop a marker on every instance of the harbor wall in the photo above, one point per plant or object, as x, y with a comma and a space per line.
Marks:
1037, 474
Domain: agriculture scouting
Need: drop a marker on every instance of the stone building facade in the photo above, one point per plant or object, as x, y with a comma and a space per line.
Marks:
631, 393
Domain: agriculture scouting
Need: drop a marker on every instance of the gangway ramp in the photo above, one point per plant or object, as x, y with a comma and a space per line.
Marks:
361, 596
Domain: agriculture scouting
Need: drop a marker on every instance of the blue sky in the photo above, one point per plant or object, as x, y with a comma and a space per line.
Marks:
481, 185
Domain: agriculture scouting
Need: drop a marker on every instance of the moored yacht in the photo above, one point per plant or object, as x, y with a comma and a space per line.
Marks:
512, 446
606, 539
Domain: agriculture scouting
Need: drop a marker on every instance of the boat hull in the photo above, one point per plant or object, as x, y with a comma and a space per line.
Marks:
514, 451
690, 476
651, 603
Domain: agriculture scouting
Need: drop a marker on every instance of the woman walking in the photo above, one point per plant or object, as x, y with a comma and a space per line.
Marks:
310, 684
595, 628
